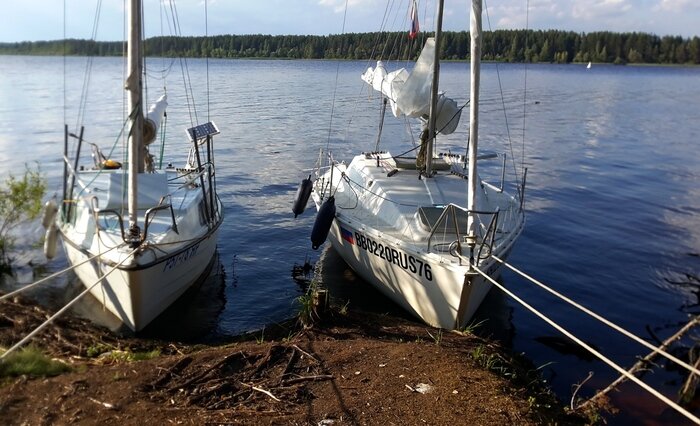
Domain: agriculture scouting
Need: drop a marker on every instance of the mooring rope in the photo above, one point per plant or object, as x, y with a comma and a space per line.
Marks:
54, 275
607, 322
68, 305
590, 349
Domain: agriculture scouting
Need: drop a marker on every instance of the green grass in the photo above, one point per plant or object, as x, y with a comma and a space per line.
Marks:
102, 350
31, 362
307, 311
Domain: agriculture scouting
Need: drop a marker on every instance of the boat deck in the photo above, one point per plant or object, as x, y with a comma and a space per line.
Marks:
107, 192
393, 201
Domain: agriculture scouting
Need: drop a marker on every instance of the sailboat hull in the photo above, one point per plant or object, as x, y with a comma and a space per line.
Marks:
388, 231
440, 295
137, 293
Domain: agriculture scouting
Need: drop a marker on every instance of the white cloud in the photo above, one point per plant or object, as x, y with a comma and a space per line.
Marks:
338, 6
600, 9
676, 5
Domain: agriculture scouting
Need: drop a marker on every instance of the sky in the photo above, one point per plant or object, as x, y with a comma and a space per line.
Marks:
32, 20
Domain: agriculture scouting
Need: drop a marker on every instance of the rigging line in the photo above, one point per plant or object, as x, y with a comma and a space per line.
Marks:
100, 171
187, 82
206, 36
439, 131
357, 197
125, 106
161, 9
380, 196
392, 37
527, 40
142, 48
65, 47
54, 275
335, 86
88, 68
367, 65
600, 318
410, 150
165, 70
68, 305
377, 41
590, 349
503, 102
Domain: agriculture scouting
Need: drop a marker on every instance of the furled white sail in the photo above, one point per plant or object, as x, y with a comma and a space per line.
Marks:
409, 94
153, 117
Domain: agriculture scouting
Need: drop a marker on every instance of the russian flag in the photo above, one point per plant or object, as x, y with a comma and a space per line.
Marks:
414, 21
347, 235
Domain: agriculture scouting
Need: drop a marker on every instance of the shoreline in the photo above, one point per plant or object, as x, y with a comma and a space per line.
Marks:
349, 367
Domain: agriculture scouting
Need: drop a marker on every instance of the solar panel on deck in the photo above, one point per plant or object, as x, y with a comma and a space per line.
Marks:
203, 130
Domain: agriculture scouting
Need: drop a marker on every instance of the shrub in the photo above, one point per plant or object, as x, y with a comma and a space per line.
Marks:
20, 200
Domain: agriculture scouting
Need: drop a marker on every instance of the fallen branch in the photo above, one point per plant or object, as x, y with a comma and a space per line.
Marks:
688, 390
168, 373
290, 363
255, 388
642, 362
307, 378
104, 404
212, 370
305, 353
578, 386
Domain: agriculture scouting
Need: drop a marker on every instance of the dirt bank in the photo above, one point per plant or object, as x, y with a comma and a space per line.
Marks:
352, 368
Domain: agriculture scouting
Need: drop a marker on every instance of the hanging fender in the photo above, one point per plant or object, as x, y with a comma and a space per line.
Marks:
50, 239
50, 209
302, 197
324, 220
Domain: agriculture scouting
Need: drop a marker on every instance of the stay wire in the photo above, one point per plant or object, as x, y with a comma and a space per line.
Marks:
335, 86
527, 41
503, 103
186, 80
206, 36
82, 105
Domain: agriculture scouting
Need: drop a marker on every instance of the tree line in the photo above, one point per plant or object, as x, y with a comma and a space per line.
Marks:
503, 45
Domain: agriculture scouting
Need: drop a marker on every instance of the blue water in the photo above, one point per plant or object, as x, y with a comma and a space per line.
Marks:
613, 194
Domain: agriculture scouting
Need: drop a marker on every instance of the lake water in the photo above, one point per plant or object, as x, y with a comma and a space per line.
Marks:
613, 195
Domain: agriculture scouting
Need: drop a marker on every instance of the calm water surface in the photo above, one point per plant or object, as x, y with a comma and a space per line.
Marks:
613, 196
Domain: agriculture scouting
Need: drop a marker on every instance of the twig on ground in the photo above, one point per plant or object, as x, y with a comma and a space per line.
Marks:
268, 393
305, 353
306, 378
578, 386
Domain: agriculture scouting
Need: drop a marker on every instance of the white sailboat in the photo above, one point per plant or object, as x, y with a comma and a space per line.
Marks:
402, 225
138, 236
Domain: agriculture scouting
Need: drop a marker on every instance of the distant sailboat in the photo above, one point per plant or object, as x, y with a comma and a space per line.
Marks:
588, 66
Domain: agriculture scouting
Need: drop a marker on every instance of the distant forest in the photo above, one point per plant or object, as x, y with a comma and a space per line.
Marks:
503, 45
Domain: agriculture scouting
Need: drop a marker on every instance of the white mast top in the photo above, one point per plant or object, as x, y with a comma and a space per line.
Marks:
133, 87
475, 32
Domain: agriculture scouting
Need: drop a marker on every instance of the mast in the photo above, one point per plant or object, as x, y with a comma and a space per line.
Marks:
434, 94
133, 87
475, 33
